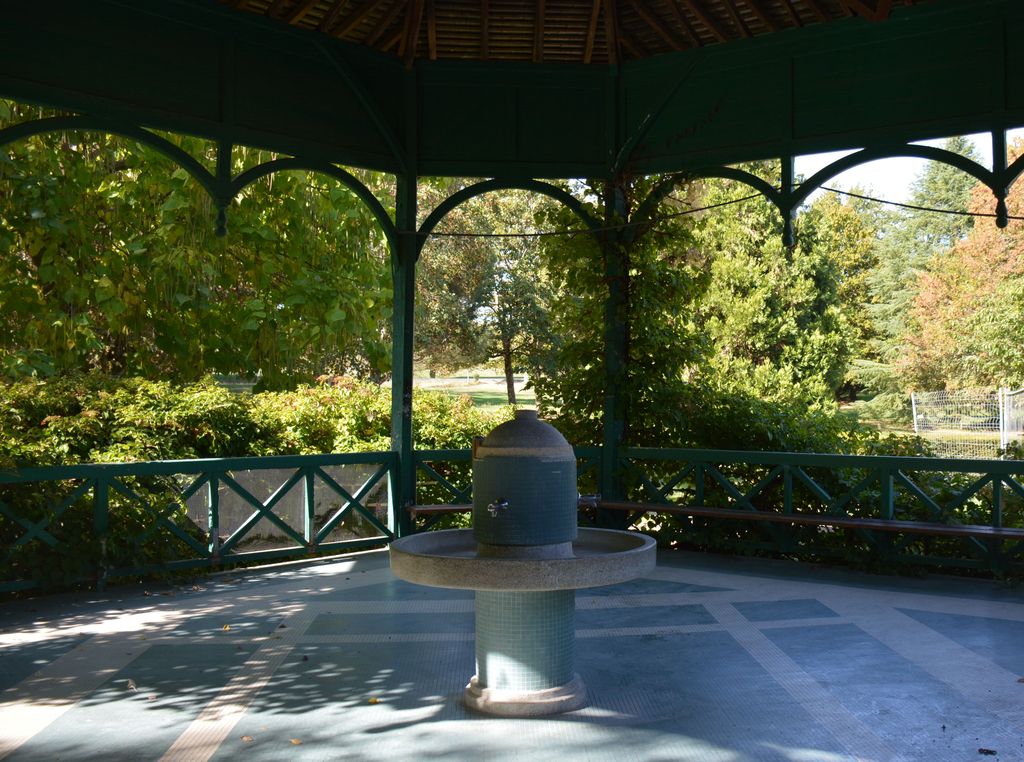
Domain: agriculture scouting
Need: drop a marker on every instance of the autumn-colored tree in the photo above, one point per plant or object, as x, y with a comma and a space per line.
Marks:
966, 326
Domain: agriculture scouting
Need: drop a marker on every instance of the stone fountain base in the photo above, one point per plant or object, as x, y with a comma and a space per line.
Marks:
535, 703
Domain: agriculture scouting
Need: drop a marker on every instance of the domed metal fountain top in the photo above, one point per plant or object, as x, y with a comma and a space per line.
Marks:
524, 485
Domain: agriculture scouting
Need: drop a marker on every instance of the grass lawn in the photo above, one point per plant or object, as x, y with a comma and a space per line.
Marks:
488, 391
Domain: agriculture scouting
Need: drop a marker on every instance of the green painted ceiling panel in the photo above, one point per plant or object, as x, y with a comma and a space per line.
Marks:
200, 67
164, 66
319, 106
929, 77
580, 137
468, 123
1015, 62
709, 111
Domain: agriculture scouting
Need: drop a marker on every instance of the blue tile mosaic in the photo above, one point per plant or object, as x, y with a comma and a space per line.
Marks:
140, 720
21, 660
769, 611
364, 624
643, 616
1001, 640
901, 703
525, 641
396, 590
650, 587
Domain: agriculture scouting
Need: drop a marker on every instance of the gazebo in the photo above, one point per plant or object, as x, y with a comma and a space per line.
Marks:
520, 93
707, 658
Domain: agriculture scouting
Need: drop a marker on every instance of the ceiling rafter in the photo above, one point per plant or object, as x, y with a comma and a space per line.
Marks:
684, 24
819, 14
353, 20
329, 17
538, 33
300, 12
631, 46
385, 23
431, 31
275, 8
587, 31
611, 32
588, 47
787, 6
659, 27
411, 38
741, 26
880, 12
762, 14
706, 20
485, 29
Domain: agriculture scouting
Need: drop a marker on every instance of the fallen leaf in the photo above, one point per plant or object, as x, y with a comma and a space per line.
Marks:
373, 700
282, 627
131, 685
247, 739
150, 698
305, 658
296, 742
987, 752
226, 627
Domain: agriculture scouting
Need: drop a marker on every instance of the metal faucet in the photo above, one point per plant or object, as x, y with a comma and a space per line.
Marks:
501, 504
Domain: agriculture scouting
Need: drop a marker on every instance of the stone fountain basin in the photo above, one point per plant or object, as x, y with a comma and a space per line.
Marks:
450, 558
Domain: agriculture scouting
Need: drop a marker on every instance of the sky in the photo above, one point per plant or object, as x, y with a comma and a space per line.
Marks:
888, 179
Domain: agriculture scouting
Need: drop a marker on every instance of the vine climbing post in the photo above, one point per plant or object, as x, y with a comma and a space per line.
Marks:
404, 252
616, 336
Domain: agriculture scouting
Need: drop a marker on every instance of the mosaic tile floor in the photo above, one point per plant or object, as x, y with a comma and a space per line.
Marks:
708, 658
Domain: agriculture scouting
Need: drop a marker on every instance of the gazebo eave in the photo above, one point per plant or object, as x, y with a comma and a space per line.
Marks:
200, 67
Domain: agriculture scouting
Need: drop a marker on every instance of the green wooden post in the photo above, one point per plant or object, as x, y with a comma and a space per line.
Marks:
615, 351
402, 485
101, 526
886, 493
309, 509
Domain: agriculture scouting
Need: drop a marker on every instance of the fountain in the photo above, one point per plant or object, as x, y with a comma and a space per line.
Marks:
525, 558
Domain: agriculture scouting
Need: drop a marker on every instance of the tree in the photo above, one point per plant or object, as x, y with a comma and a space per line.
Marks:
662, 276
109, 261
966, 316
482, 293
773, 315
909, 240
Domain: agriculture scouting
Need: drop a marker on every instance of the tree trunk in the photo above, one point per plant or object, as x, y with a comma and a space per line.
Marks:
510, 379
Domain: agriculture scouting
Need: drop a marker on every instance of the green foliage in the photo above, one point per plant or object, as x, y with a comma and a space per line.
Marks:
965, 324
109, 261
907, 241
482, 298
771, 312
99, 419
662, 277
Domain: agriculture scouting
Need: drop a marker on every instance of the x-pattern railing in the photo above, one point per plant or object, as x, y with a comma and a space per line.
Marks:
137, 507
973, 495
71, 506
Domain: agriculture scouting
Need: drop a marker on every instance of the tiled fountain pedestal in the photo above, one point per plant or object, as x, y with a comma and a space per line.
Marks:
525, 558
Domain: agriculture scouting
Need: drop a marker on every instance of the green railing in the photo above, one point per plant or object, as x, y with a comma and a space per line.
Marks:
86, 523
67, 524
970, 494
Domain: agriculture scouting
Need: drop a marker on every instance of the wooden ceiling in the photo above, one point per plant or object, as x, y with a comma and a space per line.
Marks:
557, 31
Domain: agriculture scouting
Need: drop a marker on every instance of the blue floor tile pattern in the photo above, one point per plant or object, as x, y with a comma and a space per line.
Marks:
986, 636
769, 611
708, 658
22, 660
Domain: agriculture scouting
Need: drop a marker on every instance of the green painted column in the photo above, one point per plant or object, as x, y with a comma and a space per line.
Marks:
615, 351
403, 278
